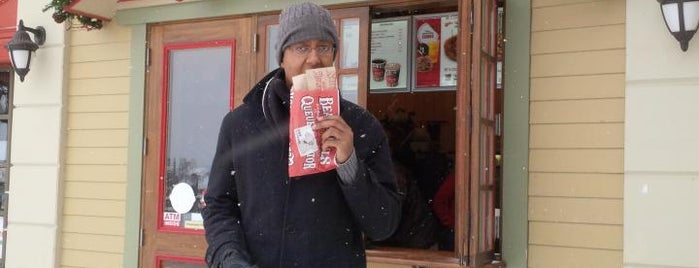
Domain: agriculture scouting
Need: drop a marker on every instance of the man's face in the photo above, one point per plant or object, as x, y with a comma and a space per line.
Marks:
306, 55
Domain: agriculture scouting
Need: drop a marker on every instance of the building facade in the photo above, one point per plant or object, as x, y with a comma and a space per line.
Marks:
598, 120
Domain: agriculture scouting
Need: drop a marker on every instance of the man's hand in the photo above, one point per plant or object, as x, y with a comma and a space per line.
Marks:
337, 135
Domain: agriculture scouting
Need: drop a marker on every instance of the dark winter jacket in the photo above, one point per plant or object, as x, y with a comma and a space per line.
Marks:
256, 214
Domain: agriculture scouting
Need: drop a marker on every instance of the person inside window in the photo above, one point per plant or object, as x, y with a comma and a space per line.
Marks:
255, 214
444, 202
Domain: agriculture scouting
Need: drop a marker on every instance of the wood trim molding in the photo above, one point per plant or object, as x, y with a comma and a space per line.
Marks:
412, 257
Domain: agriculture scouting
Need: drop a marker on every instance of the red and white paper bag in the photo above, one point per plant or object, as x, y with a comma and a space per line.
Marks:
313, 95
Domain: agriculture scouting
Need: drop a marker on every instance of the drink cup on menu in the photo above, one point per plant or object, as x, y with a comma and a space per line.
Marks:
378, 69
392, 74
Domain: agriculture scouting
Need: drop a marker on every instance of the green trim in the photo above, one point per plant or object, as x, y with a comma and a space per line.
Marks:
135, 149
516, 143
205, 9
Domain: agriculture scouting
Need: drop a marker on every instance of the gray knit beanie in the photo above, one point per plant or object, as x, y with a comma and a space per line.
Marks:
302, 22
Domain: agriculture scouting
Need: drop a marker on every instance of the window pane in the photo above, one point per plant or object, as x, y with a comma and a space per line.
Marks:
4, 98
175, 264
348, 87
3, 141
199, 97
350, 43
272, 40
3, 183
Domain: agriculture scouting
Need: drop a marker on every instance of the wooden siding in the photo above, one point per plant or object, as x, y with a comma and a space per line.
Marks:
548, 256
96, 148
97, 225
86, 258
98, 121
576, 142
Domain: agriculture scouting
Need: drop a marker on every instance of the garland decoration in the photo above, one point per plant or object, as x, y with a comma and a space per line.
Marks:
59, 15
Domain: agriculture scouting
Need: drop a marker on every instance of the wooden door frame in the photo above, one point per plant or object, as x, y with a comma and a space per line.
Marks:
156, 241
483, 52
464, 157
262, 23
362, 70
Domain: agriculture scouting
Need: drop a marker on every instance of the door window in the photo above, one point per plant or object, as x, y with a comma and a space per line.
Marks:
197, 94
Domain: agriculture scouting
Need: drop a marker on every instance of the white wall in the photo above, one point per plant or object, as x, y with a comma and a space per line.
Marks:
35, 150
661, 186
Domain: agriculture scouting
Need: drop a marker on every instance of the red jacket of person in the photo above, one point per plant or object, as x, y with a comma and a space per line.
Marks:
444, 201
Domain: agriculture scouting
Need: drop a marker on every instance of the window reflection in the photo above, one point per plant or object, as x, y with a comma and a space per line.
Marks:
4, 98
3, 140
272, 42
350, 37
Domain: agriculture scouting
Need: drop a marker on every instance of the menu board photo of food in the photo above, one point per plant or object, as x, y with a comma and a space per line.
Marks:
435, 50
449, 40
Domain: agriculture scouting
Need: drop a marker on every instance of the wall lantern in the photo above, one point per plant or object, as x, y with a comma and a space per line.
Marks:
681, 18
21, 47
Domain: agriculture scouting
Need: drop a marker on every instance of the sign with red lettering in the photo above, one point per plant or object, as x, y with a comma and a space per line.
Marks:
172, 219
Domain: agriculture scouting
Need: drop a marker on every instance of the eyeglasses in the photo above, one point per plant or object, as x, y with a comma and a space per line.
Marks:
321, 50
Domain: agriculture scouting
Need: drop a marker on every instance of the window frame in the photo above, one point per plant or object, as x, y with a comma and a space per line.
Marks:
468, 147
7, 164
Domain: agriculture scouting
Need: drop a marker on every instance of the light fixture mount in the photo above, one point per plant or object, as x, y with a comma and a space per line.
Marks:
22, 46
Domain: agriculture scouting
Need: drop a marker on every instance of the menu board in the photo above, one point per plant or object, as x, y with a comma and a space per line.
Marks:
435, 50
389, 55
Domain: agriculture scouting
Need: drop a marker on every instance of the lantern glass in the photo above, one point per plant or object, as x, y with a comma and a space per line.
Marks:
691, 15
672, 16
20, 58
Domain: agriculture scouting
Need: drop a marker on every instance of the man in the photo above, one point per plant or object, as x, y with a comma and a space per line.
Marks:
255, 215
